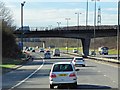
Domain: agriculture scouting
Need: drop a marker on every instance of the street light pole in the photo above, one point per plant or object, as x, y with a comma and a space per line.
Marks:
50, 27
78, 28
22, 4
67, 19
94, 25
78, 19
58, 25
118, 29
87, 14
67, 22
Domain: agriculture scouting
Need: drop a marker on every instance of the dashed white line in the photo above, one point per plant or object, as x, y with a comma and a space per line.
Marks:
99, 71
27, 77
105, 75
114, 81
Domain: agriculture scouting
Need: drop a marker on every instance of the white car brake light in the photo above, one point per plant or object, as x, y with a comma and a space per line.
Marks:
52, 75
72, 75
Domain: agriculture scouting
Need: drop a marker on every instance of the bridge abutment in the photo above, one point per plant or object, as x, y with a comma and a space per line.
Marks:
85, 45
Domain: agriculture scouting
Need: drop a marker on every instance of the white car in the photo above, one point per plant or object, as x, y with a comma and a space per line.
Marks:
78, 61
63, 73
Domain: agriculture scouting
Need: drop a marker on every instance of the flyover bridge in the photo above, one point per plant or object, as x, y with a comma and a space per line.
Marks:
82, 32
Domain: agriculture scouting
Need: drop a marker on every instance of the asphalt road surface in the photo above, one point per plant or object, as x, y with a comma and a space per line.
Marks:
35, 74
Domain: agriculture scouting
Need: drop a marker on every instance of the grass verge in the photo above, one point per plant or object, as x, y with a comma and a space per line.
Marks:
9, 64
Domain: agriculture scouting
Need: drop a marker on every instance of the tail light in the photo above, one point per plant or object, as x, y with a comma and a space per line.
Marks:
72, 75
52, 75
74, 60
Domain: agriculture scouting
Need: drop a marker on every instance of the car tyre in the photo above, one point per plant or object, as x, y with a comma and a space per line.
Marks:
83, 65
51, 86
74, 85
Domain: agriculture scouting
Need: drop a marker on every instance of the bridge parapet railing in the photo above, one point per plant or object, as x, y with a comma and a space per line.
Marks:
101, 27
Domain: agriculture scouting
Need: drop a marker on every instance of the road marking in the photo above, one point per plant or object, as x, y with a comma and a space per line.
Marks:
114, 81
99, 71
28, 76
105, 75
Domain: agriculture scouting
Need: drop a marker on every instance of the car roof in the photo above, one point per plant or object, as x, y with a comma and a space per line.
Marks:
62, 63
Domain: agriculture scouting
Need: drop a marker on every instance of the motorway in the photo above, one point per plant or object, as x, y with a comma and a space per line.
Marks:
35, 74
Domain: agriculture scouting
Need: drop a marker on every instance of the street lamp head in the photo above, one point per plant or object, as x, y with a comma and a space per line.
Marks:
23, 3
95, 0
78, 13
67, 18
59, 22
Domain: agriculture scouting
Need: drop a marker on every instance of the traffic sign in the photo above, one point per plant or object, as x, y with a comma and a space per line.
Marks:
20, 45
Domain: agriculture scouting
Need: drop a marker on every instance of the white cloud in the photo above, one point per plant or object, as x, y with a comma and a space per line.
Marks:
37, 17
48, 16
110, 19
111, 9
44, 17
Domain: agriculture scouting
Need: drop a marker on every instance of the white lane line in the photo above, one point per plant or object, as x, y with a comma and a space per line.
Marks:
28, 76
114, 81
99, 71
105, 75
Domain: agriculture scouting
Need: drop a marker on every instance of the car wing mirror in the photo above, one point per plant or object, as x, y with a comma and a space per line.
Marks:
49, 70
77, 69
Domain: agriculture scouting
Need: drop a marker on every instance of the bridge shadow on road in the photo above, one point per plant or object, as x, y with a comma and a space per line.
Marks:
85, 87
53, 58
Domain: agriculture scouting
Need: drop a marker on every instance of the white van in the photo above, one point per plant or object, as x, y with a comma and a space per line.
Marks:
56, 52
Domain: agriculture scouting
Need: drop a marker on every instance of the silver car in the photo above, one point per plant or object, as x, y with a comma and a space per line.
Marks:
78, 61
56, 52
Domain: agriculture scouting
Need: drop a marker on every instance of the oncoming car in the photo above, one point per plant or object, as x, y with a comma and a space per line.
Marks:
63, 73
47, 55
78, 61
103, 50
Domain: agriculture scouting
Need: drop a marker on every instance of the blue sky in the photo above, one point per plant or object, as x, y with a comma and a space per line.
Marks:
39, 13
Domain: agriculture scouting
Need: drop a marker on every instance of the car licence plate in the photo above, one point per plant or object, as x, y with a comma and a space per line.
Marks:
62, 74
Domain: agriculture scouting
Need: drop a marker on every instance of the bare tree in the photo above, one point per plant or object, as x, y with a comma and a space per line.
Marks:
9, 46
5, 14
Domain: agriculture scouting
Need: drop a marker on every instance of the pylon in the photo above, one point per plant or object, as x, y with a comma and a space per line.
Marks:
99, 17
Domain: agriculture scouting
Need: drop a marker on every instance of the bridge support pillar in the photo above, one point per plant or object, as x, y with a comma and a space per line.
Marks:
85, 45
